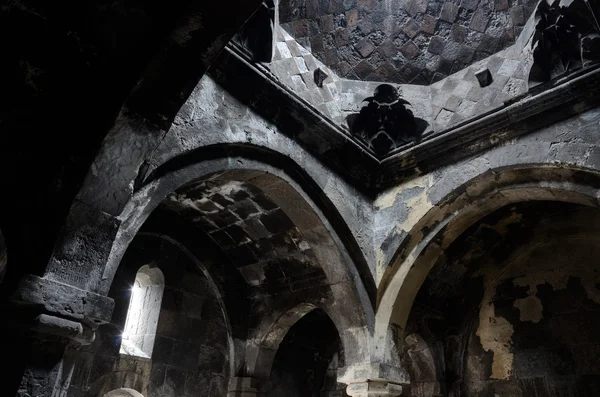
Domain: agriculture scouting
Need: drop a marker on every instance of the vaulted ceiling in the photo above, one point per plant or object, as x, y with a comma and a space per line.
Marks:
403, 41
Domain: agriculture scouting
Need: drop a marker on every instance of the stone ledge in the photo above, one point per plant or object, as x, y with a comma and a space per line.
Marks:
374, 389
541, 106
65, 301
372, 372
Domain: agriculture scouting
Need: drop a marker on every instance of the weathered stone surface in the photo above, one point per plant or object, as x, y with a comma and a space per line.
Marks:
409, 25
64, 300
465, 265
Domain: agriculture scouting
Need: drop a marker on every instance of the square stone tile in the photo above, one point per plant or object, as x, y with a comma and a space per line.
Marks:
508, 67
466, 108
462, 89
282, 50
298, 84
300, 64
453, 103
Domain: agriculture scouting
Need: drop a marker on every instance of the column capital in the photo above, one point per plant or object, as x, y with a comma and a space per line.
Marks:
373, 380
374, 388
372, 371
49, 310
63, 300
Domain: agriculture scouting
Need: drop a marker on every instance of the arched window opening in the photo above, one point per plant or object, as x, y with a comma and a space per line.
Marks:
142, 315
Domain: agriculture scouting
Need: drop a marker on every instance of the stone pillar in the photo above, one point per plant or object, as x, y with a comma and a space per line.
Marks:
373, 380
248, 387
45, 323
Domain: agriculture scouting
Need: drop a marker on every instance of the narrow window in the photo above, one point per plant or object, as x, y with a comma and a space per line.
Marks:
142, 316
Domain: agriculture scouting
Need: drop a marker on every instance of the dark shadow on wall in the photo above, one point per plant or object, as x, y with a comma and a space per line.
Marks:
190, 355
385, 123
307, 360
512, 307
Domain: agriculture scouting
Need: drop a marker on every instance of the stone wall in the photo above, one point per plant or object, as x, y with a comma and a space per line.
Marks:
511, 308
191, 348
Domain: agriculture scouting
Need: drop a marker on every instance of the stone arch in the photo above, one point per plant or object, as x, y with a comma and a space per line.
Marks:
263, 346
452, 216
421, 366
213, 287
269, 347
331, 253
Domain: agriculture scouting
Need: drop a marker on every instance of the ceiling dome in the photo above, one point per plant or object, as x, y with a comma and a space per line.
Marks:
403, 41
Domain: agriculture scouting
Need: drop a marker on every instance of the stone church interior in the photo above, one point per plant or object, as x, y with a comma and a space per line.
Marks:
300, 198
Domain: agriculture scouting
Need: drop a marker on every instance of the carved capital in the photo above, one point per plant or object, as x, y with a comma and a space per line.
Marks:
79, 333
373, 380
374, 388
63, 301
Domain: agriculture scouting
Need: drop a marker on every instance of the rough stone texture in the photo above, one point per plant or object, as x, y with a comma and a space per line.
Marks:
568, 142
239, 124
294, 66
460, 97
408, 41
480, 314
526, 280
256, 234
191, 347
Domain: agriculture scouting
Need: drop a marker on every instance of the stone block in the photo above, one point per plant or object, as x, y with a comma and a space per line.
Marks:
192, 304
175, 380
351, 18
449, 12
436, 45
224, 219
428, 24
508, 67
364, 69
453, 103
458, 33
365, 47
162, 352
185, 355
500, 5
326, 23
479, 20
469, 4
410, 50
411, 28
517, 15
300, 28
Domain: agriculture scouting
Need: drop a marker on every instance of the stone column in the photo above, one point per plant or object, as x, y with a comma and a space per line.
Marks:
373, 380
248, 387
45, 323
